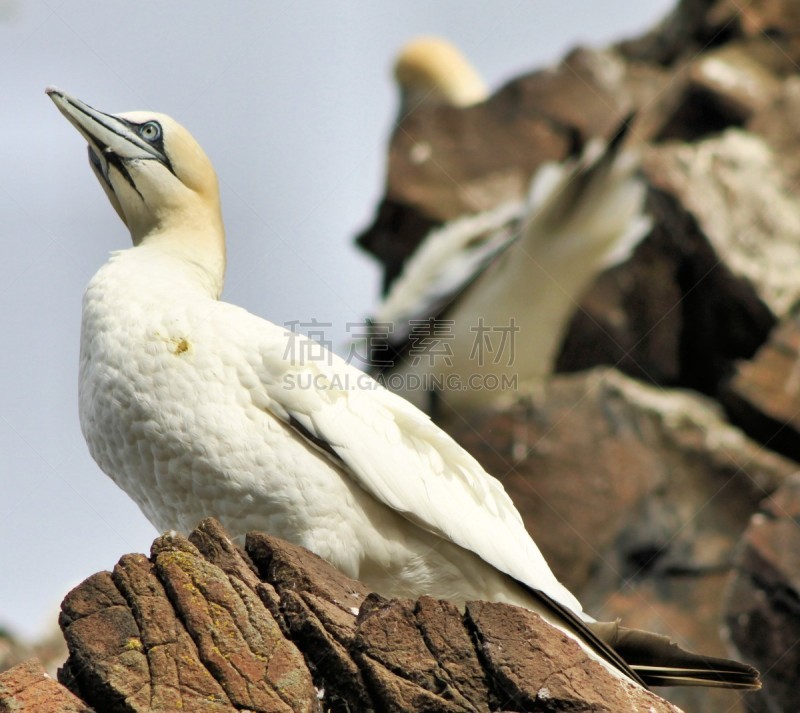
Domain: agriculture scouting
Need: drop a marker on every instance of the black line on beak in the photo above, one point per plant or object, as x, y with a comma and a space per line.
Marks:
113, 160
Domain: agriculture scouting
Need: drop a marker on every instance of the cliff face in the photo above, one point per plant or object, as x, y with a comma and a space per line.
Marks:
654, 467
201, 625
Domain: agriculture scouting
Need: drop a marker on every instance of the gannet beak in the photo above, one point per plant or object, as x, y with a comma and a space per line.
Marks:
112, 140
107, 134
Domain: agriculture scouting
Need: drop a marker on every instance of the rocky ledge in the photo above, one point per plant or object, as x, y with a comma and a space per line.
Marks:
202, 625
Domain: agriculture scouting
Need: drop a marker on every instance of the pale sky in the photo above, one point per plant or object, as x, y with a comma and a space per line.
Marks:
293, 102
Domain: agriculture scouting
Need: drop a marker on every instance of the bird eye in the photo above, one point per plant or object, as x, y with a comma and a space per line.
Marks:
151, 131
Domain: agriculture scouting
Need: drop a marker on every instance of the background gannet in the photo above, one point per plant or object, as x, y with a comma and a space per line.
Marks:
196, 407
430, 70
502, 285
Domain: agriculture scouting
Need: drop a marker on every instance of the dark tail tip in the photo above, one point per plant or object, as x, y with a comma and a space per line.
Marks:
661, 662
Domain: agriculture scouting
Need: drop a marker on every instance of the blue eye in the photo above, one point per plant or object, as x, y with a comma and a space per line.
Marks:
151, 131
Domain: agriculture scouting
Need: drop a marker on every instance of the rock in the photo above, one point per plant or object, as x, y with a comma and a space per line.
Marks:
722, 85
201, 625
684, 32
319, 606
721, 88
26, 688
635, 495
638, 497
776, 123
763, 396
695, 26
419, 656
705, 289
762, 606
736, 190
762, 17
673, 314
737, 78
559, 678
12, 651
176, 631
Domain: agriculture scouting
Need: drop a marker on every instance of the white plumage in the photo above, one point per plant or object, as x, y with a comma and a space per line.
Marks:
193, 407
198, 408
504, 283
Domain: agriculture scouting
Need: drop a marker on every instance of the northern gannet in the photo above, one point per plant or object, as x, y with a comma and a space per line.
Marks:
197, 408
501, 286
430, 70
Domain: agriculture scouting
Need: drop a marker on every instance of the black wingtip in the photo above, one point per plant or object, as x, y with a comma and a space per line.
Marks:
661, 662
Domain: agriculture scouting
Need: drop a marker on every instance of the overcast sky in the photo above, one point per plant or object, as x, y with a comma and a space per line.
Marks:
293, 102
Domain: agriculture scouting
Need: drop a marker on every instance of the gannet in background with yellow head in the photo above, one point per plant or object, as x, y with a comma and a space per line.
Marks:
429, 70
502, 285
198, 408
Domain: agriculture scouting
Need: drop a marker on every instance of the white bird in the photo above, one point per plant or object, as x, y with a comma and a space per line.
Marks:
430, 70
498, 288
198, 408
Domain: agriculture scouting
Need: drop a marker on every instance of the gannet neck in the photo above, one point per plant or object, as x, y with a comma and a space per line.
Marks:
199, 253
158, 271
431, 70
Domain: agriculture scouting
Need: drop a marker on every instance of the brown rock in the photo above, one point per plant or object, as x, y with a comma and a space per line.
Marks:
176, 632
237, 640
557, 677
418, 656
107, 663
777, 124
12, 651
737, 78
760, 17
673, 314
695, 26
764, 393
212, 541
631, 489
721, 87
705, 288
743, 203
538, 117
26, 688
763, 602
601, 466
192, 628
684, 32
320, 606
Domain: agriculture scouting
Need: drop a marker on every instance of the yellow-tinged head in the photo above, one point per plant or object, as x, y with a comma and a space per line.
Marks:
430, 69
155, 174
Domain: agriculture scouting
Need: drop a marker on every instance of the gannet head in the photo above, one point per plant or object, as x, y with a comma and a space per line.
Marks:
431, 70
155, 174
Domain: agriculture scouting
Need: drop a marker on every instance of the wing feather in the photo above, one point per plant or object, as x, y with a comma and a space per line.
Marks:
395, 453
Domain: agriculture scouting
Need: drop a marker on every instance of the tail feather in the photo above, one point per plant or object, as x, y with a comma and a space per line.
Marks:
661, 662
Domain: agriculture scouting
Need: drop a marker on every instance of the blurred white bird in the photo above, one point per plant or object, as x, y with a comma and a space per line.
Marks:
430, 70
481, 307
198, 408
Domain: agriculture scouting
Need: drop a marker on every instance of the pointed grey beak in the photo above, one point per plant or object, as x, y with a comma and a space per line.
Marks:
112, 141
106, 134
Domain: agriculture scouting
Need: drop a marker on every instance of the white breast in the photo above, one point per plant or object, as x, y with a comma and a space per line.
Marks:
173, 411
